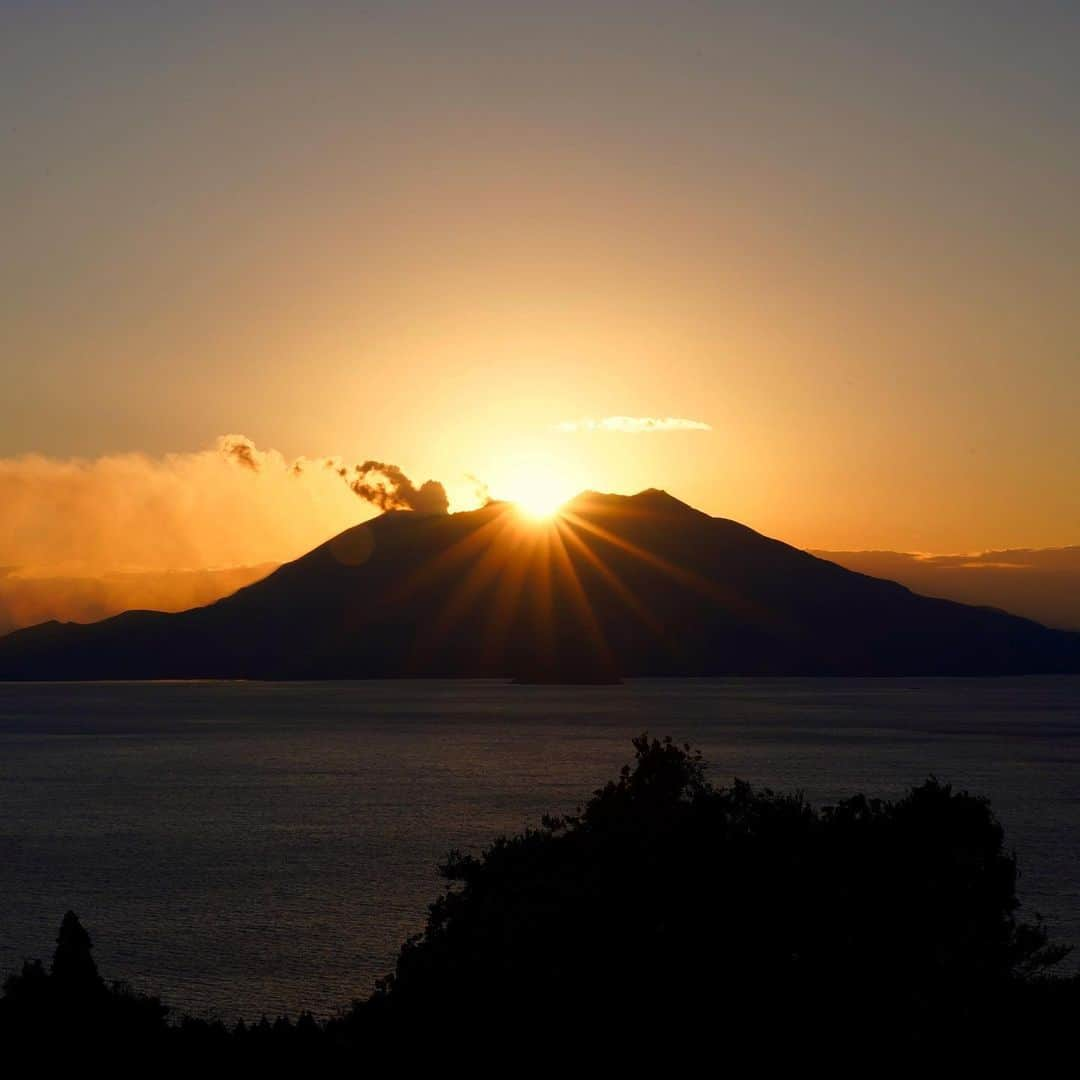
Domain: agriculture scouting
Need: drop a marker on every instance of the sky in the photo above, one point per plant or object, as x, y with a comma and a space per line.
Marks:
833, 248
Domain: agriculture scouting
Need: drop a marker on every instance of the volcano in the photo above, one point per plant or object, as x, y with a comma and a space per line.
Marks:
611, 587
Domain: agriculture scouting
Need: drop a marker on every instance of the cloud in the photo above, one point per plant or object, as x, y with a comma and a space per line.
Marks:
231, 505
83, 538
218, 507
633, 425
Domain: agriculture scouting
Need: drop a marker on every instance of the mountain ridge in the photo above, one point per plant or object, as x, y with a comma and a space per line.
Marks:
614, 586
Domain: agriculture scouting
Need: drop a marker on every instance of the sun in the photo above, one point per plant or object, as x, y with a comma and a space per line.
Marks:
540, 503
537, 484
538, 490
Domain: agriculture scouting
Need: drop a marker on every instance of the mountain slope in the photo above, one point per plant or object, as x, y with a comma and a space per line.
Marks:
638, 585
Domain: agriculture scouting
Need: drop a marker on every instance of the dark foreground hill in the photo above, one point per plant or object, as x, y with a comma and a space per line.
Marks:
615, 586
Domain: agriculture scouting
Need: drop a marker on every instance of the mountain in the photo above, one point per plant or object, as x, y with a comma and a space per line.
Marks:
615, 586
1039, 583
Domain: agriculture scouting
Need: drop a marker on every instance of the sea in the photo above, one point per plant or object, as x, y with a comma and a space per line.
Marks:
250, 848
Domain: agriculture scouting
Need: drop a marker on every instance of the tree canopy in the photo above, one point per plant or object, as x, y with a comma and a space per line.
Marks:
668, 899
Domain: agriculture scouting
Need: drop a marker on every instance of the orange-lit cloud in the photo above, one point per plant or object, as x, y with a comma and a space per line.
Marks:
633, 425
84, 538
233, 505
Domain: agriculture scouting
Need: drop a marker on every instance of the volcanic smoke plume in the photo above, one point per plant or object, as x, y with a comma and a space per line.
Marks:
378, 482
395, 491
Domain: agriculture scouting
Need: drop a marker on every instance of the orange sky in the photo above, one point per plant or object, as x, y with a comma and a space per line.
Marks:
431, 234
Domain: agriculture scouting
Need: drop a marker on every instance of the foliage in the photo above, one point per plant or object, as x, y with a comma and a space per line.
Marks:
670, 900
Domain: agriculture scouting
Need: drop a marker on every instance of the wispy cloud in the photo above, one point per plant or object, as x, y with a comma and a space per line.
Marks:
633, 425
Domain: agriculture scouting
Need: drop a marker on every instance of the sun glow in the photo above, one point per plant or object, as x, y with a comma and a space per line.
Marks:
540, 504
537, 483
538, 490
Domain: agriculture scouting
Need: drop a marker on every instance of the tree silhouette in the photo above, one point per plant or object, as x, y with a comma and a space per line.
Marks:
73, 966
668, 900
70, 1012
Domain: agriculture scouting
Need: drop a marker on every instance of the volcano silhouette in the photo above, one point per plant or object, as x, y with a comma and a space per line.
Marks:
614, 586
